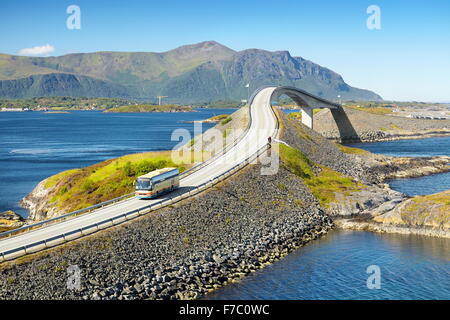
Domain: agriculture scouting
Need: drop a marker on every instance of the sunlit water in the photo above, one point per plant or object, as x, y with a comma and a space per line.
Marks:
36, 145
335, 267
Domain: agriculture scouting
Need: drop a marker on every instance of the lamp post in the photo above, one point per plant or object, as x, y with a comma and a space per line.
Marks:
248, 92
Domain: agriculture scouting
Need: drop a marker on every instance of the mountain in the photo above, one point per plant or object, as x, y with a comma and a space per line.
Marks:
207, 71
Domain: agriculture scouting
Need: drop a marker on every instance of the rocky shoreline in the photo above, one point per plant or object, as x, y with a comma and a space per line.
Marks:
371, 226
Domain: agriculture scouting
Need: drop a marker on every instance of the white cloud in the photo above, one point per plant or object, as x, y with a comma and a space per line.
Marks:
37, 51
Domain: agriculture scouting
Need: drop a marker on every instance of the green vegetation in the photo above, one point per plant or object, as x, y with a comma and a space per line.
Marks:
219, 117
226, 120
372, 108
80, 188
222, 104
57, 177
226, 132
429, 210
202, 72
65, 103
352, 150
423, 206
323, 185
150, 108
295, 116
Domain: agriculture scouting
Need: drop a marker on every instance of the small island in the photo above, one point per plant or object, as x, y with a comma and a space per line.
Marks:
141, 108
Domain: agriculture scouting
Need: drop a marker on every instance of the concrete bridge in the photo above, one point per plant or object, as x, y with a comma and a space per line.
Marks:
305, 100
247, 148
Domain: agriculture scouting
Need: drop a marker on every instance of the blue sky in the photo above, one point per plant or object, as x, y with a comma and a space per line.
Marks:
408, 59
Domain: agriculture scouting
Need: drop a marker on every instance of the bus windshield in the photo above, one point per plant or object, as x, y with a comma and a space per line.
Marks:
143, 184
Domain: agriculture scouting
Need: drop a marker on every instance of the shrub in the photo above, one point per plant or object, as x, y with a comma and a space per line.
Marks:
225, 121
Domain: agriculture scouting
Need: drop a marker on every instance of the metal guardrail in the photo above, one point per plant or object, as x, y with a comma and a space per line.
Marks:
74, 234
64, 217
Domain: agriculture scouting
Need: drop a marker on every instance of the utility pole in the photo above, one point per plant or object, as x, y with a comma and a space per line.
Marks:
159, 99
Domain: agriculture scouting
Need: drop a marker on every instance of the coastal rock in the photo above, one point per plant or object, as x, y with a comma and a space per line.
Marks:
10, 220
37, 203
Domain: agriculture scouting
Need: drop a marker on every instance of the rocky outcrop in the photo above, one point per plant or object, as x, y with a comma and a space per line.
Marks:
37, 203
381, 168
10, 220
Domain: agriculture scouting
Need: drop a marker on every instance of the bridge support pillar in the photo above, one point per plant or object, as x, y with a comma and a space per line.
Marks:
307, 117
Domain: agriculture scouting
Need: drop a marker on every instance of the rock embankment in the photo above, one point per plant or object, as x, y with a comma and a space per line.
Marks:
181, 252
350, 125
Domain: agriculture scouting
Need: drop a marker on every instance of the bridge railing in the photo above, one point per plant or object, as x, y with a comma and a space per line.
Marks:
78, 233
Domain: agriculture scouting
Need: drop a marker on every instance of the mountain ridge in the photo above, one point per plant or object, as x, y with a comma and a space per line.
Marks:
201, 72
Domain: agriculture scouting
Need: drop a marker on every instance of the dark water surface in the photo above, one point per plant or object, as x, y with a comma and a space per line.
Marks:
36, 145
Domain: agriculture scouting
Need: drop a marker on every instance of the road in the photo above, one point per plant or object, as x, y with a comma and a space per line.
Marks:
262, 126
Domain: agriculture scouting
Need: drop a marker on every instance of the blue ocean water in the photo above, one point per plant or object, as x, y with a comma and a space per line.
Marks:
335, 267
409, 148
415, 148
36, 145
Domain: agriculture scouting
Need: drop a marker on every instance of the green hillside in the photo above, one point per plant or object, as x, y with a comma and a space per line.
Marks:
202, 72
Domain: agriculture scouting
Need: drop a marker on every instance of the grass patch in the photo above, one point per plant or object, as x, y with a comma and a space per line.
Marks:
295, 116
394, 126
219, 117
226, 132
51, 182
226, 120
323, 185
351, 150
81, 188
372, 109
420, 206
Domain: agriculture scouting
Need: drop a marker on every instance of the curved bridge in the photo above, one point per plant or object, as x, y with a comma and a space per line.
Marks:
263, 124
305, 100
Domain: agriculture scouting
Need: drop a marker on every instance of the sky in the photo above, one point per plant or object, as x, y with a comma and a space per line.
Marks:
407, 58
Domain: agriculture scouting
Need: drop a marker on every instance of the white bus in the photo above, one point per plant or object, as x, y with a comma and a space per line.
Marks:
157, 182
